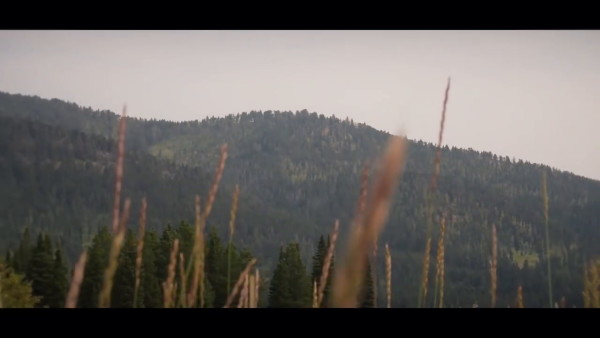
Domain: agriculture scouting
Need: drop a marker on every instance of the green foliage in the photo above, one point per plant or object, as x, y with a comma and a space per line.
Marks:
290, 285
15, 292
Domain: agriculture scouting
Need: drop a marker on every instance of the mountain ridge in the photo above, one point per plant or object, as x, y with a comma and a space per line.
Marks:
300, 171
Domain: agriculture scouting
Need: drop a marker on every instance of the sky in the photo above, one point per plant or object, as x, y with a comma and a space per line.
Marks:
531, 95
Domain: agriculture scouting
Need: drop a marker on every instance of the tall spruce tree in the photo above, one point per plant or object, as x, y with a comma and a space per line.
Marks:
94, 269
290, 285
40, 271
368, 292
150, 286
22, 256
124, 282
58, 286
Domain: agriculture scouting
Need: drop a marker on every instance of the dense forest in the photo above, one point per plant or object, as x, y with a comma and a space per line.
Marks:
298, 172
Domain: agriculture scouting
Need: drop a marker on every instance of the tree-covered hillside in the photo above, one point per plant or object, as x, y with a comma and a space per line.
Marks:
298, 172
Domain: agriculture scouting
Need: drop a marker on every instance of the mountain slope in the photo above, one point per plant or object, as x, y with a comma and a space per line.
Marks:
298, 172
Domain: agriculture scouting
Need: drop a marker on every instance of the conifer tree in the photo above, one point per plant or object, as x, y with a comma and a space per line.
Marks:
40, 271
368, 294
124, 283
58, 285
290, 286
94, 269
150, 290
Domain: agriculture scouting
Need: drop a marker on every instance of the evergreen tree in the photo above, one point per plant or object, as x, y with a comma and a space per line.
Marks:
59, 284
278, 291
318, 260
216, 267
163, 253
150, 286
368, 293
22, 256
41, 270
290, 286
94, 269
124, 282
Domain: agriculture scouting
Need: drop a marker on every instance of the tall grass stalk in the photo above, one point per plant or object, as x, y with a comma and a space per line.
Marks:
388, 275
113, 259
349, 278
591, 286
183, 281
438, 300
197, 262
430, 200
520, 303
257, 287
78, 273
139, 253
168, 287
239, 283
315, 302
251, 292
233, 213
244, 294
327, 263
119, 169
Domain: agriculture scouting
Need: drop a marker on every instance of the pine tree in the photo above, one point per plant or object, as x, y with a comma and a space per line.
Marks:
94, 269
164, 251
318, 259
22, 256
150, 290
215, 267
368, 294
290, 286
58, 285
124, 283
40, 270
278, 290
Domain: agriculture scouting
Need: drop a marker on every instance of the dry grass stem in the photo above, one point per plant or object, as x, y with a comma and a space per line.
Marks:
439, 275
78, 274
140, 250
168, 287
327, 263
520, 304
388, 275
182, 294
119, 169
239, 283
350, 277
113, 260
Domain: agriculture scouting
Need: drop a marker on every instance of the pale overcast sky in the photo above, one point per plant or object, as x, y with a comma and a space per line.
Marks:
534, 95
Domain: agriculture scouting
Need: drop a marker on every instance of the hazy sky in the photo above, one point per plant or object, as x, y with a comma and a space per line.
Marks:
533, 95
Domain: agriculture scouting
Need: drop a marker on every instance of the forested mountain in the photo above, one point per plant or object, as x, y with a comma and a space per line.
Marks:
298, 172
